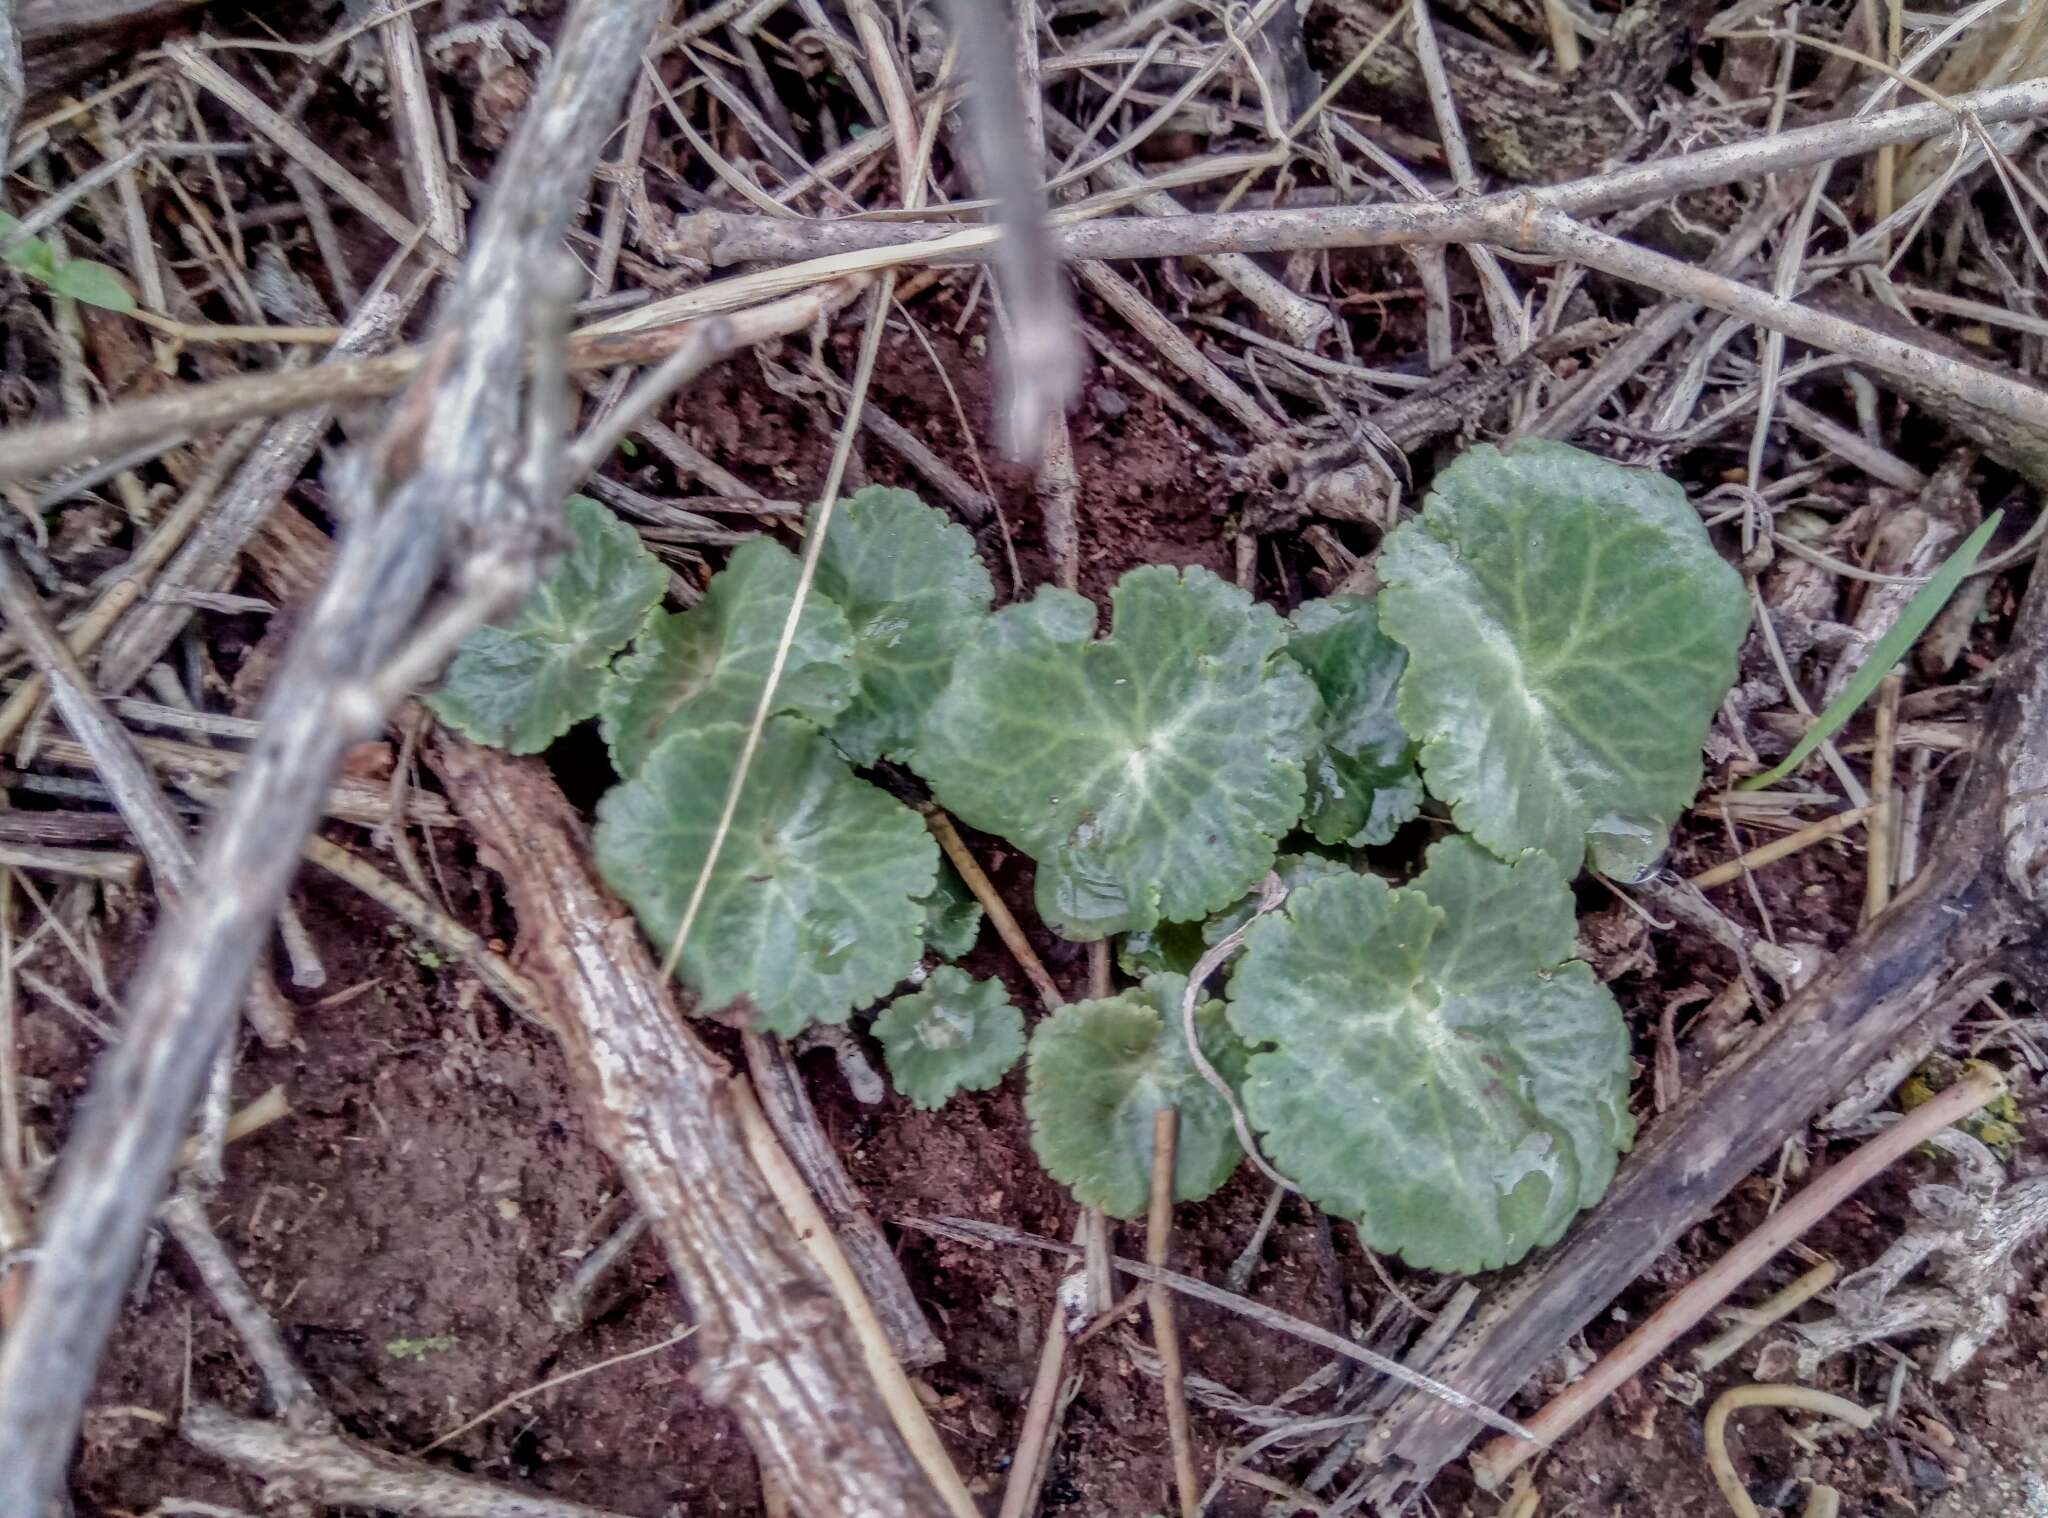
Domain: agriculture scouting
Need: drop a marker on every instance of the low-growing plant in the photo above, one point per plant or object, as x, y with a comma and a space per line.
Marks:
1430, 1060
39, 259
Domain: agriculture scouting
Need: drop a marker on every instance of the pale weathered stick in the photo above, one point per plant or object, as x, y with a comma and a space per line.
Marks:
116, 758
851, 248
999, 915
90, 864
207, 559
291, 1394
440, 478
1708, 1290
1042, 354
419, 136
1780, 848
359, 197
414, 910
342, 1472
973, 1230
1297, 318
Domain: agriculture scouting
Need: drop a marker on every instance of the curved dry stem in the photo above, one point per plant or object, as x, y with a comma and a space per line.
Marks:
1766, 1394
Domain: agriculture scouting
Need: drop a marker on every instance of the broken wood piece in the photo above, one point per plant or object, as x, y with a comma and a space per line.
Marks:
800, 1211
1751, 1321
343, 1472
113, 867
1493, 1464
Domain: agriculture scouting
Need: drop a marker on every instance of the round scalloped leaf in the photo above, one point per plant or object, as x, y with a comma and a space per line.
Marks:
952, 917
914, 590
1362, 783
1098, 1073
814, 907
956, 1034
708, 664
522, 685
1149, 774
1432, 1062
1570, 632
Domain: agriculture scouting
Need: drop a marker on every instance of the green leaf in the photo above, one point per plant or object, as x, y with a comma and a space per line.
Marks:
80, 278
37, 257
814, 907
524, 684
1149, 774
1432, 1061
1100, 1070
1362, 783
952, 917
1925, 606
708, 664
957, 1034
914, 590
1570, 632
93, 283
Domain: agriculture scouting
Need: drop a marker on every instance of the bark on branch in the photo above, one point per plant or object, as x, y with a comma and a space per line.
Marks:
1974, 906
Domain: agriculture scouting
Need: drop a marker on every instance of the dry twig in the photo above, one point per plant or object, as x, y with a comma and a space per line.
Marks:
1165, 1332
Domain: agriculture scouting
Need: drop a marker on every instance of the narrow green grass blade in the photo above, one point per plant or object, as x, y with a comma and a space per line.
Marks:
1926, 604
